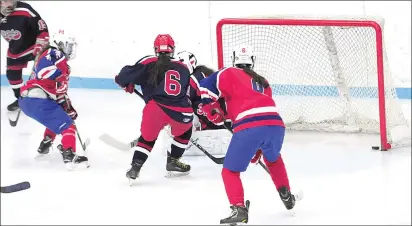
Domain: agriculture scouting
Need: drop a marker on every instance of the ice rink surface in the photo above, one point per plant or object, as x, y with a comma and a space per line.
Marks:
343, 180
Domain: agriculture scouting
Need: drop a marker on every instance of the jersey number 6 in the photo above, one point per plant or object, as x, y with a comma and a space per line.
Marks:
172, 85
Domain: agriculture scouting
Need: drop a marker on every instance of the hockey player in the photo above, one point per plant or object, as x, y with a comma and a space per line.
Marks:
199, 72
164, 82
27, 33
44, 98
256, 125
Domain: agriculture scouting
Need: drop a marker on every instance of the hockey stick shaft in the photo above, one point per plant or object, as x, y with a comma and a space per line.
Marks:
84, 145
214, 159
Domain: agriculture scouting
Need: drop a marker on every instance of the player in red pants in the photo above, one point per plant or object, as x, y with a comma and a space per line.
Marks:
256, 125
164, 82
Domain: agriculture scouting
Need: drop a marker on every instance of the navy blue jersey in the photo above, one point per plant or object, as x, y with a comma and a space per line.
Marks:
194, 93
21, 29
170, 94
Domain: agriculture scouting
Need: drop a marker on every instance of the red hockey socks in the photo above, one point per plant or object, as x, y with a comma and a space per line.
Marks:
49, 133
234, 187
69, 138
278, 173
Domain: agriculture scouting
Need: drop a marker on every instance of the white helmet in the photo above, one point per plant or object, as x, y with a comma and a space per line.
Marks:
189, 59
243, 55
65, 43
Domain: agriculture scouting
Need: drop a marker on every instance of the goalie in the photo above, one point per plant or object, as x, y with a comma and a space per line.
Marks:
199, 72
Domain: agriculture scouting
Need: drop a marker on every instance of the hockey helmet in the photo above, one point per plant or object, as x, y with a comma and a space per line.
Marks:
189, 59
243, 56
164, 43
65, 43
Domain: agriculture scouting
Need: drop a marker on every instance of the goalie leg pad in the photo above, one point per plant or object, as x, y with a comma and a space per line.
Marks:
180, 143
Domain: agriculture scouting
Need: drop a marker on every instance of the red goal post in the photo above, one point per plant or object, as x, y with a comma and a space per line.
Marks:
283, 45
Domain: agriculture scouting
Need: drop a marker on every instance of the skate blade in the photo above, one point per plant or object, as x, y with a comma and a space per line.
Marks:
298, 198
233, 224
131, 181
172, 174
71, 166
39, 156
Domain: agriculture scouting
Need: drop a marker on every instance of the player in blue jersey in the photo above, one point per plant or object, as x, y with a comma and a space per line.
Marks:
44, 98
164, 82
258, 129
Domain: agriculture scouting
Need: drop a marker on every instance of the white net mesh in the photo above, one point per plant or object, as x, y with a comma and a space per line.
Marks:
324, 78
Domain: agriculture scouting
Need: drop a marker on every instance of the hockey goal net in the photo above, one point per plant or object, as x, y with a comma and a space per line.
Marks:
326, 74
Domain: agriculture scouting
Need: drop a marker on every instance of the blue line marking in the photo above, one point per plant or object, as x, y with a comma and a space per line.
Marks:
278, 90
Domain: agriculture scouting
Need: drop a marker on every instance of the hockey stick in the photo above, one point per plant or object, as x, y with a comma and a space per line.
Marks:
231, 131
15, 187
86, 142
214, 159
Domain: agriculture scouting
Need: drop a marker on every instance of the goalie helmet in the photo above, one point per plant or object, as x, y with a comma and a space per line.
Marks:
243, 56
164, 43
7, 6
189, 59
65, 43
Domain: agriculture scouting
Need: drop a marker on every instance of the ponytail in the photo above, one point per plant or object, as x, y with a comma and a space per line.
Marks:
159, 69
256, 77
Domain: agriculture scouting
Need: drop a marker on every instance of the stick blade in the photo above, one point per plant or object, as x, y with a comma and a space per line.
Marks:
113, 142
16, 187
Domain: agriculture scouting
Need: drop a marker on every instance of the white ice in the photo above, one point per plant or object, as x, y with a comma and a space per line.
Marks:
344, 181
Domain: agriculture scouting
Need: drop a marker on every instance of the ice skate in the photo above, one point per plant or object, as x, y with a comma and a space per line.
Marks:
44, 147
133, 172
71, 160
287, 198
239, 215
13, 106
175, 168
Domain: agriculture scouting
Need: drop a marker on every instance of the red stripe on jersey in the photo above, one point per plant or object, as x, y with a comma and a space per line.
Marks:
148, 60
20, 13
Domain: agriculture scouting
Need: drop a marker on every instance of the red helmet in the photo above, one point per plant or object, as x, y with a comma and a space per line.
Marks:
164, 43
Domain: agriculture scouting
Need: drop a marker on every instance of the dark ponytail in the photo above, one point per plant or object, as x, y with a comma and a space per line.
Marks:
205, 70
256, 77
159, 69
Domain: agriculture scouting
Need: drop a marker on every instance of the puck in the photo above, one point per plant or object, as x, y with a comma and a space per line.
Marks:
375, 147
